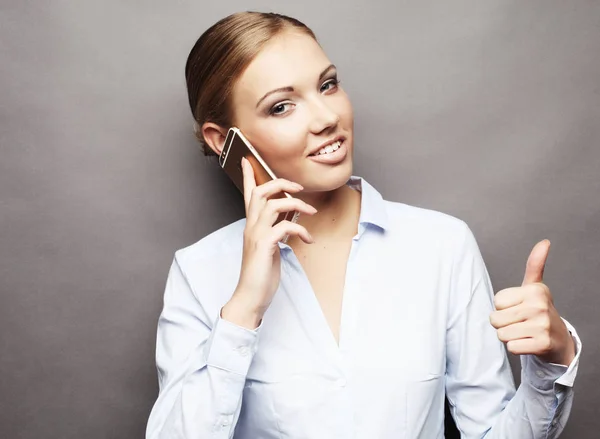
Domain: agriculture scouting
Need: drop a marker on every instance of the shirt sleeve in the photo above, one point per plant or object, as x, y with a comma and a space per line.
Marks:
201, 365
479, 381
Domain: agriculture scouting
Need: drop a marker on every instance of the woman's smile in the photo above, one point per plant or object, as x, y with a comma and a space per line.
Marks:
331, 154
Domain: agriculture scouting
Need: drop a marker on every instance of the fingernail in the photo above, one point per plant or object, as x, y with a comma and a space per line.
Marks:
299, 186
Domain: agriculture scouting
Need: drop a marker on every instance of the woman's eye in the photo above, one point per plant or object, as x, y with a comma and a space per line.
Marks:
278, 109
331, 83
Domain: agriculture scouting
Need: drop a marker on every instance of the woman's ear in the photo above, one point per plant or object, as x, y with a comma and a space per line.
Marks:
214, 136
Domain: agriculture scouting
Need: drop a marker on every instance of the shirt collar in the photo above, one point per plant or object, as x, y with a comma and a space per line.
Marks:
372, 206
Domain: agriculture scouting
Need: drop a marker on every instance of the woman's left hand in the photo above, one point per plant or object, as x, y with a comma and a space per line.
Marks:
526, 319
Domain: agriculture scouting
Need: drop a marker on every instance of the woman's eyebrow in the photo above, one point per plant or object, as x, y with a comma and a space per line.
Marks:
289, 88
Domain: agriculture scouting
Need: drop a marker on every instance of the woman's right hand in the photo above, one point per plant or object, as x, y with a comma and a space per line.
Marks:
261, 262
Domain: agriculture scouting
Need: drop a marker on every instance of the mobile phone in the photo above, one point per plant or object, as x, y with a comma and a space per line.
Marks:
237, 146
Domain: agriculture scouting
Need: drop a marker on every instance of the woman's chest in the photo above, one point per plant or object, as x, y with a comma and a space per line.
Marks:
323, 271
303, 384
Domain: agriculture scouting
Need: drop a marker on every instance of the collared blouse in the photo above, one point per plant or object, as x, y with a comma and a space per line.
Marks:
414, 328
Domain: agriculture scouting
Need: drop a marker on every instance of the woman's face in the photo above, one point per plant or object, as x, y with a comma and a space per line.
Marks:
288, 104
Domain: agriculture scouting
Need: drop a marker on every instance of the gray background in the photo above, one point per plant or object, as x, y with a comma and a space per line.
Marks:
486, 110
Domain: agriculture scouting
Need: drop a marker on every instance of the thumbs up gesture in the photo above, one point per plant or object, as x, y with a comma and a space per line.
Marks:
526, 319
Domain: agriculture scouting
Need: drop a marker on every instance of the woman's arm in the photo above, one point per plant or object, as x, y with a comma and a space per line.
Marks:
479, 381
202, 367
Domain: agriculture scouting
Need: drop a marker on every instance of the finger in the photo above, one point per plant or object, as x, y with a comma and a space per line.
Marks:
534, 270
508, 297
289, 228
249, 182
260, 195
275, 206
527, 346
509, 316
273, 187
515, 331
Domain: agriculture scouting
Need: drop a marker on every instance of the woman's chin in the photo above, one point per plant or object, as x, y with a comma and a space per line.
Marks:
329, 179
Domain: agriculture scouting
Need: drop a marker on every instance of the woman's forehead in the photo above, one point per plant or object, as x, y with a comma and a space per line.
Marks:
290, 59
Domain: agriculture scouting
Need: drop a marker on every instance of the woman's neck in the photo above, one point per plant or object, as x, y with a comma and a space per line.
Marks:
338, 212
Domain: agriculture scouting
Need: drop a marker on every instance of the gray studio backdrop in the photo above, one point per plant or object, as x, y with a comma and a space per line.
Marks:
487, 110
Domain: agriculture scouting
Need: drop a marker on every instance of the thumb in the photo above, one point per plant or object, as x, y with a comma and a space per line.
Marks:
534, 271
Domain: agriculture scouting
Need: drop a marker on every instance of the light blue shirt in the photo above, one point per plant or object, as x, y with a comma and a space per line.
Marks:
414, 327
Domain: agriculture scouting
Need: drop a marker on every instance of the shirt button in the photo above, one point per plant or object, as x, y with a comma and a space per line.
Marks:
539, 373
244, 351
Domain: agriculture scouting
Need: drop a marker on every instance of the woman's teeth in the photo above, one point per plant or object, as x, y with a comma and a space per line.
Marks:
329, 148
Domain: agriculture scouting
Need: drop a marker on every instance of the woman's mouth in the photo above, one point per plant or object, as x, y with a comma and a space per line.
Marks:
329, 148
331, 154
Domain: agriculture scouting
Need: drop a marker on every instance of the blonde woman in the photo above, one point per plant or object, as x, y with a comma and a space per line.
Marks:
371, 313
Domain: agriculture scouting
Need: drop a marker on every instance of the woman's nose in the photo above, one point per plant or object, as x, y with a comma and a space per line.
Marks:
323, 116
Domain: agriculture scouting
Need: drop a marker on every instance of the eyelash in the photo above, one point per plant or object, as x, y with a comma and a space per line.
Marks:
334, 81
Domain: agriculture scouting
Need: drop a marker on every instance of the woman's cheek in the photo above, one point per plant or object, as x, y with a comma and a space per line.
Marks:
345, 109
289, 138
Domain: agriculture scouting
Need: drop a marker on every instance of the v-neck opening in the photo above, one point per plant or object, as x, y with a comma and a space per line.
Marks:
310, 309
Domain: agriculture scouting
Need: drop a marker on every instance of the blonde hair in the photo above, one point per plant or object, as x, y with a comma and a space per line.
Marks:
220, 56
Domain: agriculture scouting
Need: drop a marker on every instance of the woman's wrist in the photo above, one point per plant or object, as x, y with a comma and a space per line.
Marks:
239, 312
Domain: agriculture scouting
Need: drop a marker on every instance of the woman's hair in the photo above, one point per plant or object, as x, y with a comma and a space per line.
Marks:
220, 56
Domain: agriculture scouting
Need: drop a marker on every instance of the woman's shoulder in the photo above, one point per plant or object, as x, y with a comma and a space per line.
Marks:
429, 232
209, 265
400, 218
222, 244
423, 219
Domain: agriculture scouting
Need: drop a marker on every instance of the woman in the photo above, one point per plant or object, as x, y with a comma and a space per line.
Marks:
370, 314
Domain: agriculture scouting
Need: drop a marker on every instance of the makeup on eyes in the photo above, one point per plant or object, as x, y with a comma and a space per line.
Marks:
331, 67
270, 109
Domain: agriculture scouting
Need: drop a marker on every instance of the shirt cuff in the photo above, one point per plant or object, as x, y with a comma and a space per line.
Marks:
568, 378
543, 375
231, 347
